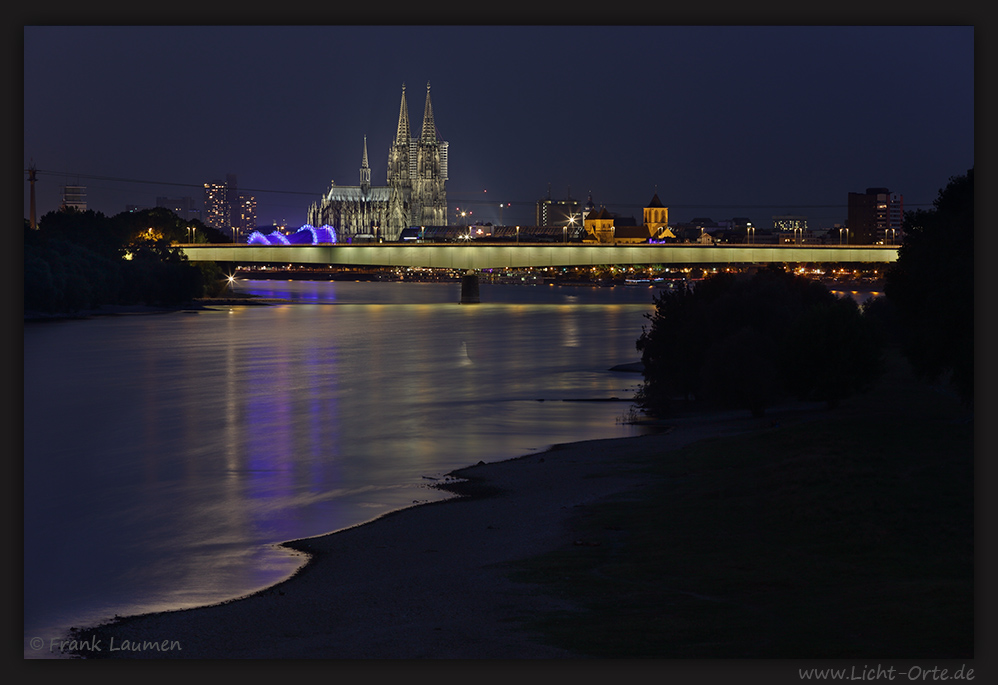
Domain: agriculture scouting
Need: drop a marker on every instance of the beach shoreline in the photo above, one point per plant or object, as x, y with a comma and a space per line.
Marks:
427, 581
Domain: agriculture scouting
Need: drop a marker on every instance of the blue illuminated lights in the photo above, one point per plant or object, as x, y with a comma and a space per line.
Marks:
306, 235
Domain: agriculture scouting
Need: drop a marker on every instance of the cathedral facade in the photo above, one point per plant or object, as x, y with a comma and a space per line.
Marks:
415, 194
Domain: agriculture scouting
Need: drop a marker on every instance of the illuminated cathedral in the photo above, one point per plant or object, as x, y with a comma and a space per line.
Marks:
414, 195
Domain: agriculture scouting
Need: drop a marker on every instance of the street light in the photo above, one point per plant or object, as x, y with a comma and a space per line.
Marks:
571, 221
517, 235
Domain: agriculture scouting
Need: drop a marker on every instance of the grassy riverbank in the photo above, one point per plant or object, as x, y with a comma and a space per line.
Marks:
846, 536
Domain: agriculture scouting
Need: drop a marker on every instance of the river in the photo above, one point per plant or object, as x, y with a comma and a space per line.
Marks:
167, 455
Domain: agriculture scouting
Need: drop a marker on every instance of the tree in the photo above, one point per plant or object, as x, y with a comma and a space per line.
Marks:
932, 287
82, 260
831, 352
745, 341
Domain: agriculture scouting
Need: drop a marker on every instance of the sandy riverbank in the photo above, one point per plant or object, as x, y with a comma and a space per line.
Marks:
424, 582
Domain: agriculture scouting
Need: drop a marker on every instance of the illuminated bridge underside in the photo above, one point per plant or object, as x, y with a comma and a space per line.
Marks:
519, 256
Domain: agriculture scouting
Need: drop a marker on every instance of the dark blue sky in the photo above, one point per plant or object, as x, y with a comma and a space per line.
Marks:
721, 121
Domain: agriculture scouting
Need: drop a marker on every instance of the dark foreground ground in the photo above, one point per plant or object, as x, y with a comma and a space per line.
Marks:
850, 535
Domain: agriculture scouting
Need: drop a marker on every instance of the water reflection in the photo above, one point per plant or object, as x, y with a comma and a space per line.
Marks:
189, 445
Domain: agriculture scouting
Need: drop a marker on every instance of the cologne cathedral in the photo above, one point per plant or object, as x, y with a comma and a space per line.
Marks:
414, 195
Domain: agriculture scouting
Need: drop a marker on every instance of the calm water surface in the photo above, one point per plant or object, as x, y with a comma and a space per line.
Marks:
166, 455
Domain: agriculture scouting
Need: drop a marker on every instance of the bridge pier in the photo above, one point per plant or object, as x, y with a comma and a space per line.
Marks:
469, 287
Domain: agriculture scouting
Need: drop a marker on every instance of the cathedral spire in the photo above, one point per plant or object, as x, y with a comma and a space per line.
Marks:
365, 170
402, 134
429, 134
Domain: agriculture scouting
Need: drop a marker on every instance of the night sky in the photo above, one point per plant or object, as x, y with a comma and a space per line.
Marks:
721, 122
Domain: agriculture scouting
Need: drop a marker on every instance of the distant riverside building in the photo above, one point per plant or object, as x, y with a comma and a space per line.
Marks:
415, 194
789, 222
601, 226
874, 216
184, 207
550, 212
228, 210
790, 228
74, 197
700, 229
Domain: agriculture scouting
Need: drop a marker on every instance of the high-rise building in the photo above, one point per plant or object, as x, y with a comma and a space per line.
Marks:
247, 214
228, 210
550, 212
74, 197
415, 193
874, 216
216, 206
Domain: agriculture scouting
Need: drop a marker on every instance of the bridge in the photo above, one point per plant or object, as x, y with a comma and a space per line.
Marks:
475, 257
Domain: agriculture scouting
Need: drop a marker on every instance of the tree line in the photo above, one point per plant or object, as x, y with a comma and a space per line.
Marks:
749, 340
81, 260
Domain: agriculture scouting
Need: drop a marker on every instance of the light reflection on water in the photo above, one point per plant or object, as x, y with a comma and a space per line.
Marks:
165, 455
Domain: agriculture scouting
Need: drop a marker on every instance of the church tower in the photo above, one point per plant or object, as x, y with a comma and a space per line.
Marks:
429, 195
656, 215
399, 182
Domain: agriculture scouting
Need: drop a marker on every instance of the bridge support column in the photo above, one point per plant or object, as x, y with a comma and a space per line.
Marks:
469, 287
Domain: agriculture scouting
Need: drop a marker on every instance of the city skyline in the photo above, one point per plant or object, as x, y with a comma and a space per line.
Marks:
717, 121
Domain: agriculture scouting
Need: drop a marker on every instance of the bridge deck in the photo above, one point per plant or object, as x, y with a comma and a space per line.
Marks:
494, 256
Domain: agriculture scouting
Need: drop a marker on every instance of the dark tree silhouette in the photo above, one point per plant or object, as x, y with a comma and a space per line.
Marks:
745, 341
82, 260
831, 352
932, 287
